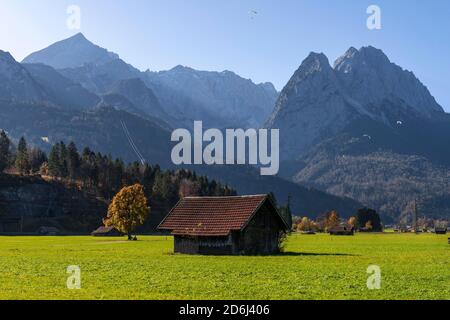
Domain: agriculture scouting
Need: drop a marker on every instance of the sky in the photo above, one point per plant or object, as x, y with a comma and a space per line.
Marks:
264, 40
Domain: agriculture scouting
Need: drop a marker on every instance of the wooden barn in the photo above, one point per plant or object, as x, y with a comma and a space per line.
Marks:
106, 232
440, 230
48, 231
342, 230
245, 225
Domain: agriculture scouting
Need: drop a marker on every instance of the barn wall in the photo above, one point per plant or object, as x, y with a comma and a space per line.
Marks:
261, 235
203, 245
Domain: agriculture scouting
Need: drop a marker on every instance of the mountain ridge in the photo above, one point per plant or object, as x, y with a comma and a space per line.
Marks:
72, 52
344, 127
103, 129
222, 99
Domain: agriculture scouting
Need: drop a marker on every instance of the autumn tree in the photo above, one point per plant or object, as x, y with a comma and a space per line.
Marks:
128, 210
332, 220
353, 222
306, 224
22, 160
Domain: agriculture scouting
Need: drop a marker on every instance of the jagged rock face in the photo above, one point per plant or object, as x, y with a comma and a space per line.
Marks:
220, 99
319, 100
71, 53
310, 107
370, 78
16, 84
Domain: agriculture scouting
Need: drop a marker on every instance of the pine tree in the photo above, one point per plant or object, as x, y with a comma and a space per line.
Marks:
37, 158
22, 159
73, 160
4, 151
64, 171
54, 162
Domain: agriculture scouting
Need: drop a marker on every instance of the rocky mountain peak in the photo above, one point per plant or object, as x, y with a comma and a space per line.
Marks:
73, 52
368, 76
315, 62
314, 71
79, 37
319, 100
364, 57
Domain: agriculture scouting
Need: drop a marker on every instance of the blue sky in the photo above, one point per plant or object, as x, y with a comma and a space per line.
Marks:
224, 35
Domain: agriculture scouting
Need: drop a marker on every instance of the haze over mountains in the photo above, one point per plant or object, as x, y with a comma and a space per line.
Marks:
363, 128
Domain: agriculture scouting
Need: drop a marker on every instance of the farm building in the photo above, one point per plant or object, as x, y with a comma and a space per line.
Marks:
246, 225
440, 230
342, 230
48, 231
106, 232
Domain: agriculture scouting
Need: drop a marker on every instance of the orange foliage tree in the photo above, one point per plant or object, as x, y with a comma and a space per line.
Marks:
332, 220
128, 209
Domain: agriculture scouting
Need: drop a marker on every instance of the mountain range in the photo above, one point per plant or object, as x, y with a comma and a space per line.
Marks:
361, 132
366, 129
105, 104
220, 99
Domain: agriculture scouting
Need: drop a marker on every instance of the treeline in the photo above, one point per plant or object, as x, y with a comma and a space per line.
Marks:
104, 174
366, 219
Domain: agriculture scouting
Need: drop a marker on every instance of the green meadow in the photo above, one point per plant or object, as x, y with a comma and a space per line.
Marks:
312, 267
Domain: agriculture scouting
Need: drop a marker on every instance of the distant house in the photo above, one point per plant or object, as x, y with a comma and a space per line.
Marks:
106, 232
225, 225
342, 230
48, 231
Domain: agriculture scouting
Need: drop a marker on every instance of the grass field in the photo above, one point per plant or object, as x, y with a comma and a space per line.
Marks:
313, 267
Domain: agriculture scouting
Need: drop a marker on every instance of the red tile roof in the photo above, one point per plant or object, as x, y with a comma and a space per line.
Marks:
211, 216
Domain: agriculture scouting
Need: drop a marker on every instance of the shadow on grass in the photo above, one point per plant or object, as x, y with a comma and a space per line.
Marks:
306, 254
283, 254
